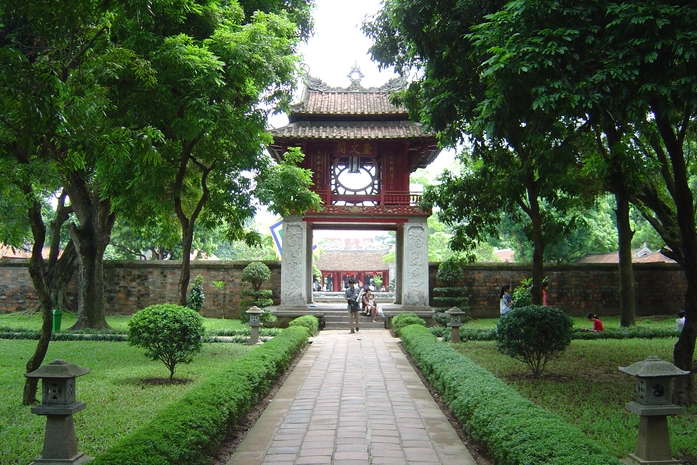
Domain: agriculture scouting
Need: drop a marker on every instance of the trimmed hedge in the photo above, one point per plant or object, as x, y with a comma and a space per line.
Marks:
514, 429
190, 430
637, 332
405, 319
309, 322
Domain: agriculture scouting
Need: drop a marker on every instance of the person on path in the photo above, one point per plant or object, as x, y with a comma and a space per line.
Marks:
505, 299
352, 294
597, 324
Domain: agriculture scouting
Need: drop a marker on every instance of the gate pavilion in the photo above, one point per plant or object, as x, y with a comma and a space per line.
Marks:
361, 150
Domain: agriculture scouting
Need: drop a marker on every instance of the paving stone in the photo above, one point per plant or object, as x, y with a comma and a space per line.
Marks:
352, 401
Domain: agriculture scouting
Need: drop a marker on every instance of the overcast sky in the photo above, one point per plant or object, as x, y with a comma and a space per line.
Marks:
338, 43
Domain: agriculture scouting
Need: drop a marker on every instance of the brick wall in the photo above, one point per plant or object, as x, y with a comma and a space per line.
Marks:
577, 289
132, 285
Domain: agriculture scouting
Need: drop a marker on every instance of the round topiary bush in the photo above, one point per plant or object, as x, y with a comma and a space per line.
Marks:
405, 319
169, 333
533, 335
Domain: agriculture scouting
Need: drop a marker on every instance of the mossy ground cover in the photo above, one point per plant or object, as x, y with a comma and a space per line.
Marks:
123, 391
586, 389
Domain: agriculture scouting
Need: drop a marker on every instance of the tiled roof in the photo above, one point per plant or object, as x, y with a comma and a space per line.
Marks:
352, 260
351, 130
347, 104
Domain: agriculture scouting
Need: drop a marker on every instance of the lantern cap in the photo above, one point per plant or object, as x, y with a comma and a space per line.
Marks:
455, 311
58, 369
255, 310
653, 367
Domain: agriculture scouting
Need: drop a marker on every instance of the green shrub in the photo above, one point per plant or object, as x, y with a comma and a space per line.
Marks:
169, 333
452, 292
405, 319
533, 335
190, 430
514, 429
256, 274
309, 322
196, 295
522, 294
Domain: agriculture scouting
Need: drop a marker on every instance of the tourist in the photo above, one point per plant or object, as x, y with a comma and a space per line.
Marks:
545, 287
369, 305
352, 294
505, 299
597, 324
680, 321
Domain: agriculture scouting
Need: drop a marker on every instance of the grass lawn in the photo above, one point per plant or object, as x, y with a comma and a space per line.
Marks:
586, 389
117, 322
118, 397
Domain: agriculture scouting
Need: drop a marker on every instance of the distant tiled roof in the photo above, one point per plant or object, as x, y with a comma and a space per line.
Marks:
642, 255
351, 130
353, 260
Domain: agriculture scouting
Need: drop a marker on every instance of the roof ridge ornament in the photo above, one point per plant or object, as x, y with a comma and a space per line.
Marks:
355, 75
316, 84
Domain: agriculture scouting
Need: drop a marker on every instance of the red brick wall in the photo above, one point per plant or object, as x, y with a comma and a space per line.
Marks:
133, 285
577, 289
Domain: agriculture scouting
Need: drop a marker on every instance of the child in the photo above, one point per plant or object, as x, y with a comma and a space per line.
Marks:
545, 287
597, 324
505, 300
680, 321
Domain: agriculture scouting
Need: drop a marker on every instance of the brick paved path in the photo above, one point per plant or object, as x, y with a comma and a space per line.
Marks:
352, 399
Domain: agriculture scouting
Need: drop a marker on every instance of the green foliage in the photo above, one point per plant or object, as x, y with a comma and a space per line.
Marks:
190, 430
169, 333
453, 293
196, 295
522, 294
308, 322
256, 273
533, 335
513, 429
405, 319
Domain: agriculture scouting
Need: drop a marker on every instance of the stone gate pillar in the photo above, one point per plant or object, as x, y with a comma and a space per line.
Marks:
296, 263
414, 263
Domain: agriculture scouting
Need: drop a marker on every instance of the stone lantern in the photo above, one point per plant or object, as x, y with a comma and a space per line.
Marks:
254, 314
455, 323
653, 404
58, 404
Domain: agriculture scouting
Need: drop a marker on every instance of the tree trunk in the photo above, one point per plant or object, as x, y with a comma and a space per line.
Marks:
90, 252
624, 239
185, 276
38, 277
684, 392
90, 238
538, 240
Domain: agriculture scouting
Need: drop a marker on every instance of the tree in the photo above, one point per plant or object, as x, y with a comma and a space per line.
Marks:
534, 335
256, 274
53, 130
623, 71
520, 158
217, 72
169, 333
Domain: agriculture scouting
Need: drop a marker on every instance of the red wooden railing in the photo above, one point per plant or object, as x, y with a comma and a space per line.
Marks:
388, 198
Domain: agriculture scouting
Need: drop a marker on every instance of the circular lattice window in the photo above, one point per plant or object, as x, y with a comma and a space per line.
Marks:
355, 176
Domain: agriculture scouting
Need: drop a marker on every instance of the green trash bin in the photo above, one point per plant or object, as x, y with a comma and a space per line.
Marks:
57, 317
